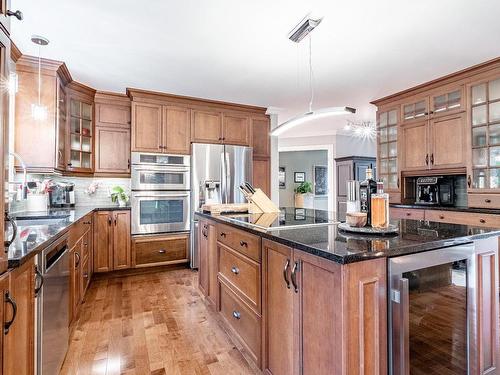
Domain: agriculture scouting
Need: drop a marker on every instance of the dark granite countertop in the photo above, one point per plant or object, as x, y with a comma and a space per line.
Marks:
328, 242
35, 231
444, 208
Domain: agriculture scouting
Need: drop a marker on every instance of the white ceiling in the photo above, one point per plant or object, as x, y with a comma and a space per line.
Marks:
238, 50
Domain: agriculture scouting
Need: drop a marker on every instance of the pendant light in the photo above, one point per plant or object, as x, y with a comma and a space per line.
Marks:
39, 111
298, 33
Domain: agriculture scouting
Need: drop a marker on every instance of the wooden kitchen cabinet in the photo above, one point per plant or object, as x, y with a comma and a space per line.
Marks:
5, 315
236, 129
160, 249
112, 135
76, 279
447, 141
206, 127
260, 137
262, 175
112, 151
18, 350
112, 240
208, 262
414, 151
146, 127
49, 134
176, 130
4, 18
203, 271
388, 165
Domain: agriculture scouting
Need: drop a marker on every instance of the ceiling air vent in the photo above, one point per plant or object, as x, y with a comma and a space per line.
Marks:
303, 28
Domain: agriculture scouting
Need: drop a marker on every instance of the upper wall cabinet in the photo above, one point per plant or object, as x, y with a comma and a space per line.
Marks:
176, 129
236, 129
206, 126
387, 125
4, 18
49, 133
112, 134
484, 114
260, 137
80, 132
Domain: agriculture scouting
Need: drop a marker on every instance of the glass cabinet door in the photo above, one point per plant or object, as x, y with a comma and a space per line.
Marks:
416, 110
485, 121
388, 149
80, 135
447, 102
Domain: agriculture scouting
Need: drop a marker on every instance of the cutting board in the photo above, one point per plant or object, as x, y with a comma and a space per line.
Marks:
229, 208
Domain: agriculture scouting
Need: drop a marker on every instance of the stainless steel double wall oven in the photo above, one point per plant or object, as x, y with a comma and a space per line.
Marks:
160, 193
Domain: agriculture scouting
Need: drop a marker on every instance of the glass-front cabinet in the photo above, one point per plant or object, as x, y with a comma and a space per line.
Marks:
447, 101
485, 135
387, 126
80, 135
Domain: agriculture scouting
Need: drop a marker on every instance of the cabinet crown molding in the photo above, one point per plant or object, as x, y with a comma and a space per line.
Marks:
28, 63
441, 81
107, 97
145, 95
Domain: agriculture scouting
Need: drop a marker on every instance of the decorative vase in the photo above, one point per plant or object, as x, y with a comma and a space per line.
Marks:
299, 200
122, 203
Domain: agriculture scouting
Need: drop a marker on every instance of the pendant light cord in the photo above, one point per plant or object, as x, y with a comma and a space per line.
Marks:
311, 75
39, 74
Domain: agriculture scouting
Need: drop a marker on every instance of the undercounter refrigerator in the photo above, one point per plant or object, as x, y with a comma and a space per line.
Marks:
216, 174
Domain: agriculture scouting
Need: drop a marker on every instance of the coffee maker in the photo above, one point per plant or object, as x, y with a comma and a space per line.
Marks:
61, 195
435, 191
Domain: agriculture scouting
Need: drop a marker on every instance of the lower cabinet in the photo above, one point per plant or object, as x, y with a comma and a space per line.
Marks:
75, 278
18, 332
321, 317
159, 250
111, 240
207, 279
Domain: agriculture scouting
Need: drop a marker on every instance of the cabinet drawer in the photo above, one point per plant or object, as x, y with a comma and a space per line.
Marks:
85, 275
484, 200
242, 273
407, 213
241, 241
465, 218
158, 250
78, 229
242, 320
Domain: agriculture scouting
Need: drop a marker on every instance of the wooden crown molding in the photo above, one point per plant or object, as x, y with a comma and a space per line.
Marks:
107, 97
447, 79
15, 53
28, 63
141, 95
80, 88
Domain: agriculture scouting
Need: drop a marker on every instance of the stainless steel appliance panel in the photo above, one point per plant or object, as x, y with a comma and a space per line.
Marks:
239, 168
54, 308
160, 172
160, 211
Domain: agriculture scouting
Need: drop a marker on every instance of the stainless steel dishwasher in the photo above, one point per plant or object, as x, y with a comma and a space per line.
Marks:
53, 307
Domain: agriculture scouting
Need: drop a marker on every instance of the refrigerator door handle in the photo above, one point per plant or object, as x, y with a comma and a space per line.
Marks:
223, 180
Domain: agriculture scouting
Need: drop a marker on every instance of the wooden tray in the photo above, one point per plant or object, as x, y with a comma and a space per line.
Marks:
369, 230
229, 208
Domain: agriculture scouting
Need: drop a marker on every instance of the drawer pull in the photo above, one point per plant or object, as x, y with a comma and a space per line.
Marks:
487, 200
441, 217
235, 270
243, 243
482, 221
236, 315
408, 214
162, 251
222, 234
285, 273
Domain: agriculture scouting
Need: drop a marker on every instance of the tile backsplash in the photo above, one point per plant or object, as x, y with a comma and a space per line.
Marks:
101, 197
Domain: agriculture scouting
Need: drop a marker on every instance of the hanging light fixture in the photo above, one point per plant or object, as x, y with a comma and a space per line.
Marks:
39, 111
298, 33
363, 129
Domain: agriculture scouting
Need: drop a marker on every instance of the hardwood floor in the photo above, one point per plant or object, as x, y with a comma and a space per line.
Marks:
154, 324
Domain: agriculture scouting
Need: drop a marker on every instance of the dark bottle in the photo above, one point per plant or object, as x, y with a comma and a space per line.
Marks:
366, 189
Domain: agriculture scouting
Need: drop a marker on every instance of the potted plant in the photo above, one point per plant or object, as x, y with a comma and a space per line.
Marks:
301, 191
119, 195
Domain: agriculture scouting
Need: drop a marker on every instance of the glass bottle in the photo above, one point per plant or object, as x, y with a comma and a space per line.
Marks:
380, 207
366, 189
352, 196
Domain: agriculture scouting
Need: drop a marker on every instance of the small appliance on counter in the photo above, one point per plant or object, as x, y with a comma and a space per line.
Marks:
435, 191
61, 194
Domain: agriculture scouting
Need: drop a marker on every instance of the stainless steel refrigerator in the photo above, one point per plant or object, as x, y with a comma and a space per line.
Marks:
216, 174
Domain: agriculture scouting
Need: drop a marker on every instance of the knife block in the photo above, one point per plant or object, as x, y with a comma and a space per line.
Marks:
259, 202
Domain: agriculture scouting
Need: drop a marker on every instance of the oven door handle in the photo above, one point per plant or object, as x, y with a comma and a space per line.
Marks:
401, 328
161, 196
166, 169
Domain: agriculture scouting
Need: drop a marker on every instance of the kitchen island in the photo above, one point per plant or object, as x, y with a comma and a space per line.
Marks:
315, 300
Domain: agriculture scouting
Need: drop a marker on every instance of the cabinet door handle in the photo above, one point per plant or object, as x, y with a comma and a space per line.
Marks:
236, 315
441, 217
397, 182
482, 221
243, 243
162, 251
77, 262
18, 14
432, 158
427, 159
128, 164
487, 200
408, 214
40, 277
222, 234
10, 301
294, 276
235, 270
469, 181
9, 219
285, 273
115, 220
109, 220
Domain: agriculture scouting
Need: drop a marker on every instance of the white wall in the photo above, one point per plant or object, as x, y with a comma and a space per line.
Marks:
354, 146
